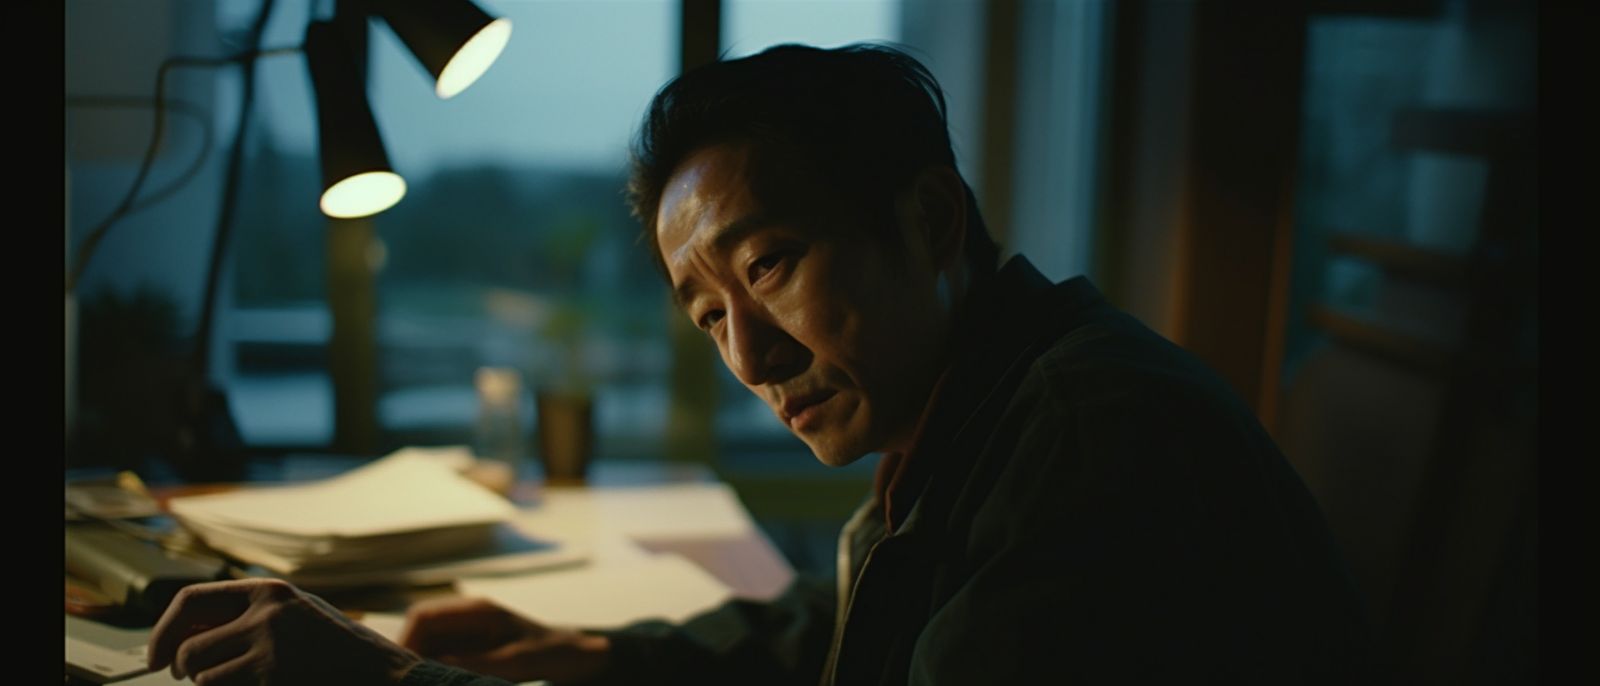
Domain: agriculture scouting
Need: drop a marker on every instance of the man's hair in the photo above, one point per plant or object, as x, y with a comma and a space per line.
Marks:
867, 117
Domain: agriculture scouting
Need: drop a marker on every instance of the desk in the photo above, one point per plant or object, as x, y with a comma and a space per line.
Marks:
661, 508
677, 509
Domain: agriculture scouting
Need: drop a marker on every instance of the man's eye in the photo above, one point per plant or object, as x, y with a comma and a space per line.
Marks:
766, 264
710, 319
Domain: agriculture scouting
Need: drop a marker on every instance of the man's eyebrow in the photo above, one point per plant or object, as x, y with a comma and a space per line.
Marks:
722, 239
730, 234
683, 294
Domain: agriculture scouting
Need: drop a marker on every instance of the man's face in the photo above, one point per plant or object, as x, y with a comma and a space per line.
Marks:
836, 328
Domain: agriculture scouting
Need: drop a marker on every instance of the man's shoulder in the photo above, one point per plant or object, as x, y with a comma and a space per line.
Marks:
1081, 346
1109, 358
1107, 380
1078, 358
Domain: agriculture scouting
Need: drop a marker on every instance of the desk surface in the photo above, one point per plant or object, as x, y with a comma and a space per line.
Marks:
663, 507
660, 508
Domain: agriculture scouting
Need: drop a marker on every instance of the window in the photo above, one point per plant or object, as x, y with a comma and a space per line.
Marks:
512, 248
750, 26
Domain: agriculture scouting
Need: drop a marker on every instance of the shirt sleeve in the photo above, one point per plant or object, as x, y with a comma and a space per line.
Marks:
430, 673
1153, 542
783, 641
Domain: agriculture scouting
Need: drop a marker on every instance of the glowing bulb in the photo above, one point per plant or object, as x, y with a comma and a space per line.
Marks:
364, 194
473, 58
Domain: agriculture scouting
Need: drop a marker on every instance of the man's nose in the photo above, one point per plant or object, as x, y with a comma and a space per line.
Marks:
758, 350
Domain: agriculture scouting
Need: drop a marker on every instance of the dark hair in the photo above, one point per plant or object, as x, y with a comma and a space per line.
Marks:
869, 116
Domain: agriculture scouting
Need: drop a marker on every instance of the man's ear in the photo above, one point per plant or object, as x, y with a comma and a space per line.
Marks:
936, 207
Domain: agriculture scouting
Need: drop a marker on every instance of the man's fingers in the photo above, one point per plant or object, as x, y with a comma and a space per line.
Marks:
197, 608
242, 670
451, 609
431, 624
208, 649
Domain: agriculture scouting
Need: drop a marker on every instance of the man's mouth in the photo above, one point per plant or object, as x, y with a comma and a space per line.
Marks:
801, 412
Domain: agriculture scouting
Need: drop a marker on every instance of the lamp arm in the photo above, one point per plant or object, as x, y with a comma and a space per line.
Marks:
207, 443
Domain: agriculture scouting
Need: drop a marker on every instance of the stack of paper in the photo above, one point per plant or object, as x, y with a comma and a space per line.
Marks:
405, 509
606, 596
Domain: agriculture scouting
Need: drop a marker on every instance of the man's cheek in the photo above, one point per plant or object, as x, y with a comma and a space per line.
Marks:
836, 323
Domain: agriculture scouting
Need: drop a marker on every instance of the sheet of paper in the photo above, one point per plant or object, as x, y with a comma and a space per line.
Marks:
403, 492
103, 664
598, 545
161, 678
606, 596
666, 512
387, 624
456, 457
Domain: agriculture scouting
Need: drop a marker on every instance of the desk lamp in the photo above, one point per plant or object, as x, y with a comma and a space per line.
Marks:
454, 41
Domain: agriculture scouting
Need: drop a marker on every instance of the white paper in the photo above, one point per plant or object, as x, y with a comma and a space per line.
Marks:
387, 624
667, 512
456, 457
161, 678
403, 492
106, 663
605, 596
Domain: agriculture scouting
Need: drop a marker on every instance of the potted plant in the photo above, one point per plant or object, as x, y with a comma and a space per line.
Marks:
564, 389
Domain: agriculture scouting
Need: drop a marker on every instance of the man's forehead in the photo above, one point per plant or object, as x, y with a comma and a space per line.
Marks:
725, 192
708, 191
775, 175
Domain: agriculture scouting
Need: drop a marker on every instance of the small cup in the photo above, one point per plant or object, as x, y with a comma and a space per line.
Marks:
566, 436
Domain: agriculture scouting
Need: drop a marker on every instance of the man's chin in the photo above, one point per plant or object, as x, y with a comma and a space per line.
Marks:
834, 454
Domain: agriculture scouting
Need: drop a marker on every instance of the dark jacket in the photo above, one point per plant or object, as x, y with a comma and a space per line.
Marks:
1092, 505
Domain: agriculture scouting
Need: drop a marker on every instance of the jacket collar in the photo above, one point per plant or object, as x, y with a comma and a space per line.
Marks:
1009, 321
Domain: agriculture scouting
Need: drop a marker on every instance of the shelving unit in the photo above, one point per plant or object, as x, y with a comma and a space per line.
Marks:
1478, 478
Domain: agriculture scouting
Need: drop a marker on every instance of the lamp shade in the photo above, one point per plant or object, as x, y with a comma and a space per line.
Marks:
455, 40
357, 180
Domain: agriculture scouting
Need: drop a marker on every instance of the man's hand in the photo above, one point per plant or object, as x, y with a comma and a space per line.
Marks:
477, 635
254, 631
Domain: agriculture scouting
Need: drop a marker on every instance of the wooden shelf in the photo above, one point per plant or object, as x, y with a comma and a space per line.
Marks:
1403, 260
1423, 356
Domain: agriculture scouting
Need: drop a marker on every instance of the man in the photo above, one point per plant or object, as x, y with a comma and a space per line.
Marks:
1063, 496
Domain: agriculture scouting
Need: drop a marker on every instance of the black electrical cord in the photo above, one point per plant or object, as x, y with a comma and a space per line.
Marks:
87, 248
230, 195
130, 202
202, 117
